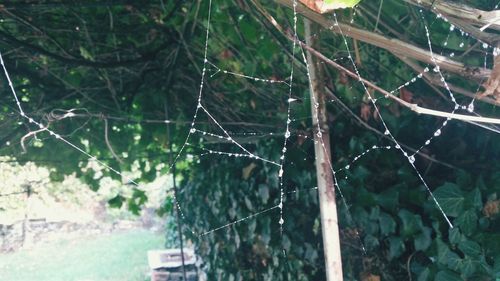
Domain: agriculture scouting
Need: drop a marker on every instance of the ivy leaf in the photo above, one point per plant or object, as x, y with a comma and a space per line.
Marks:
264, 193
469, 266
474, 199
388, 199
467, 222
454, 235
424, 275
116, 202
423, 240
451, 199
470, 248
411, 223
387, 224
371, 242
496, 267
446, 275
396, 247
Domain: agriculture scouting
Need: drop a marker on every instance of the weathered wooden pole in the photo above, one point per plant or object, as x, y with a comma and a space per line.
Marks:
324, 173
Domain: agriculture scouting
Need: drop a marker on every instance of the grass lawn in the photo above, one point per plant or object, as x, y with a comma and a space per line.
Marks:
117, 256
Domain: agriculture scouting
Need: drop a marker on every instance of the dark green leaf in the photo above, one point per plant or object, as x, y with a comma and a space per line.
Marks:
387, 224
116, 202
467, 221
412, 223
470, 248
447, 275
396, 247
423, 240
451, 199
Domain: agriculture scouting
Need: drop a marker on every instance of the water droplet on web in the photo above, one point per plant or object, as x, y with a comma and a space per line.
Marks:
281, 222
427, 142
411, 159
452, 27
436, 69
470, 108
192, 131
387, 132
319, 134
287, 134
280, 173
485, 45
437, 133
461, 45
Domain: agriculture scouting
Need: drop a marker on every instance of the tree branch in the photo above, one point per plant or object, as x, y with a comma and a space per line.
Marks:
461, 12
392, 45
83, 62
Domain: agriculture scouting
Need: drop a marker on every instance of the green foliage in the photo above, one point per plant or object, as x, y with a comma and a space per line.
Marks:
134, 64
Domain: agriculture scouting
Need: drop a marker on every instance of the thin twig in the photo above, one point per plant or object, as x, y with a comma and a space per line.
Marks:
106, 139
413, 107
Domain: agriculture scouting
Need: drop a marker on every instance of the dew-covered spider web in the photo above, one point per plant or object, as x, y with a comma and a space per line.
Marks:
377, 100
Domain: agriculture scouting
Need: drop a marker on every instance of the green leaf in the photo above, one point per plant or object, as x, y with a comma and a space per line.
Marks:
469, 266
411, 223
446, 275
467, 222
388, 199
116, 202
451, 199
470, 248
86, 54
496, 267
340, 4
454, 235
424, 275
423, 240
474, 199
387, 224
371, 242
396, 247
264, 193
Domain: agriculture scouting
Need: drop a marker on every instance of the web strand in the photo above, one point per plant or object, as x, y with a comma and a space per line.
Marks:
387, 131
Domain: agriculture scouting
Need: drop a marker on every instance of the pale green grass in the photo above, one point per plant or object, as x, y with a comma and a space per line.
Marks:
117, 256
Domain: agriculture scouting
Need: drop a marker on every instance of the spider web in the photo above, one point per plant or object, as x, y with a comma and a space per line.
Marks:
223, 134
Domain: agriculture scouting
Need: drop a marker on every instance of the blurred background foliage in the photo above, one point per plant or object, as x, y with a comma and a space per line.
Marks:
107, 74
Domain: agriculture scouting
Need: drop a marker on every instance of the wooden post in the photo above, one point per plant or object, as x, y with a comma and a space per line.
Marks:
324, 174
